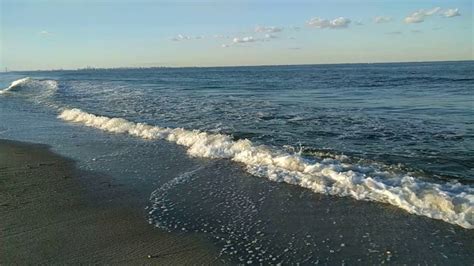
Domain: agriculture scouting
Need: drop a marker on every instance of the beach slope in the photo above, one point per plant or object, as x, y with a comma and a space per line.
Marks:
54, 213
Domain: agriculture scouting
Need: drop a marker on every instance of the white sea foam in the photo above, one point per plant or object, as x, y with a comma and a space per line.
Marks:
450, 202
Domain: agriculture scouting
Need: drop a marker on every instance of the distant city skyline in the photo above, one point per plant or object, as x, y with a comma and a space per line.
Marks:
105, 34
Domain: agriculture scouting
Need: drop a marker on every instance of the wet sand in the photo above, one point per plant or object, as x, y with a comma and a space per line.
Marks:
258, 221
54, 213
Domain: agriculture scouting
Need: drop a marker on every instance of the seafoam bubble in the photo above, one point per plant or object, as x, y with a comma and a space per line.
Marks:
451, 202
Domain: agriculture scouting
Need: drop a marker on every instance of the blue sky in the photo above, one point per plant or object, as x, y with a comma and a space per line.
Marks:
73, 34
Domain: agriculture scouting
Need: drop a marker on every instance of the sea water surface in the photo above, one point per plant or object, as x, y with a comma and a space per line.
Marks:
400, 136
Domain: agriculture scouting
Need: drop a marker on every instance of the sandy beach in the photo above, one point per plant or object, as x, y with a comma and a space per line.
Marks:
54, 213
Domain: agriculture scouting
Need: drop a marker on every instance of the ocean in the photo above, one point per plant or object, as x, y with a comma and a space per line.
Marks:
304, 163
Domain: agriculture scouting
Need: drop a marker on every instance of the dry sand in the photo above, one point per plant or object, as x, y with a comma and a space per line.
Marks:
52, 213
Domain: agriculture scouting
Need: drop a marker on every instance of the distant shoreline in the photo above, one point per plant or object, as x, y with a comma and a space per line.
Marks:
234, 66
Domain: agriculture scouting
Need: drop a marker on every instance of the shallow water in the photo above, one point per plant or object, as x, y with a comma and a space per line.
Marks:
400, 134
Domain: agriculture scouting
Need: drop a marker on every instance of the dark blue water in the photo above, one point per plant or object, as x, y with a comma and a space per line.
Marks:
418, 115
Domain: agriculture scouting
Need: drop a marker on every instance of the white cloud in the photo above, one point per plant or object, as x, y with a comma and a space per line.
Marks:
358, 23
420, 15
382, 19
337, 23
451, 13
250, 39
244, 39
270, 36
44, 33
268, 29
182, 37
432, 11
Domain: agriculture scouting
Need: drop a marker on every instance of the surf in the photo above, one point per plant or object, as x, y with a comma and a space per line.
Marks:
40, 91
451, 202
15, 84
29, 85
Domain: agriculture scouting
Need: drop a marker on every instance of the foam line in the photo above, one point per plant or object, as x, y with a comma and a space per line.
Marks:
450, 202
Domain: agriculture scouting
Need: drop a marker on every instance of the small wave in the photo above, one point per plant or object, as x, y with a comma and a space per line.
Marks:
35, 90
15, 84
451, 202
31, 85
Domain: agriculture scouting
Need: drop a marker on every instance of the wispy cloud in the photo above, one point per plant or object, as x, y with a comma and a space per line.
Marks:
44, 33
358, 23
394, 33
182, 37
337, 23
270, 36
266, 29
244, 39
219, 36
236, 41
382, 19
420, 15
451, 13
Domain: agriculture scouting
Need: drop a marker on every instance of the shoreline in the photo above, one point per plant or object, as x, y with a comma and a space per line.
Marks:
98, 215
54, 213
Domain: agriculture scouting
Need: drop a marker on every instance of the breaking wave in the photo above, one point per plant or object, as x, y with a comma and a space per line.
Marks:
36, 90
15, 84
30, 85
451, 202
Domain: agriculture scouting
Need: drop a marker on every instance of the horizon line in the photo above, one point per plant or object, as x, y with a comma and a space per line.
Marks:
231, 66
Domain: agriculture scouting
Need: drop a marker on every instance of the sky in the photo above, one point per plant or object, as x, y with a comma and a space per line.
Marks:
69, 34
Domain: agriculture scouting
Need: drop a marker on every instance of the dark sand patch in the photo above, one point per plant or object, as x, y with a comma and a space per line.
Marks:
53, 213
